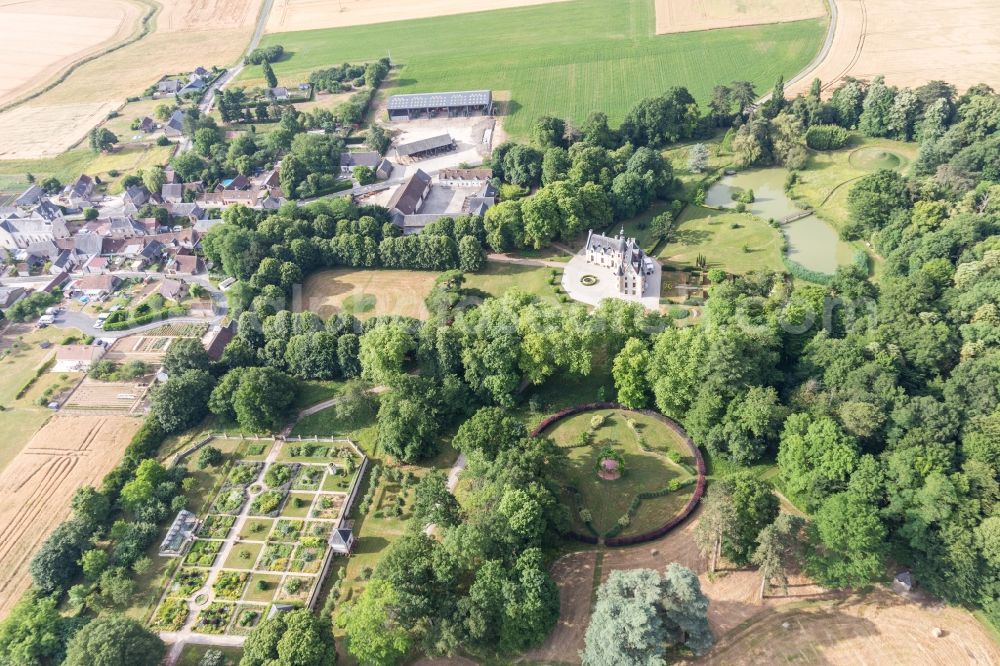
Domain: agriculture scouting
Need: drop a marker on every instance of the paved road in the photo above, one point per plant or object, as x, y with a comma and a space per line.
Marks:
85, 322
209, 98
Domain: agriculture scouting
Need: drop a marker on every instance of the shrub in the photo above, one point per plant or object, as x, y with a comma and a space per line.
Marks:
596, 421
827, 137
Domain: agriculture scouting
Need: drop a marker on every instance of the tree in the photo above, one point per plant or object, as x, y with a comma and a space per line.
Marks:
297, 638
686, 609
102, 139
470, 255
629, 372
408, 419
639, 614
847, 542
548, 132
182, 401
209, 456
626, 627
378, 139
374, 635
112, 641
213, 657
488, 432
383, 351
661, 226
34, 633
269, 76
743, 95
555, 165
698, 158
780, 550
875, 118
718, 519
186, 354
56, 563
755, 506
365, 175
153, 177
259, 398
872, 200
90, 213
434, 503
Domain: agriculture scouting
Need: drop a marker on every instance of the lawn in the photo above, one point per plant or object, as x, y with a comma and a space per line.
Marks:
254, 593
193, 654
735, 242
72, 163
383, 292
311, 392
256, 529
645, 471
568, 58
825, 183
496, 278
243, 555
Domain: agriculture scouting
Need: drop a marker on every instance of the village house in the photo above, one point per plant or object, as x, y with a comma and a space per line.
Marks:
216, 338
172, 290
97, 285
30, 197
174, 128
10, 295
80, 192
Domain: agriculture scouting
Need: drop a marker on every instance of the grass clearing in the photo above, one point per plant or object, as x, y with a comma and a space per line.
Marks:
736, 242
193, 654
608, 61
496, 278
72, 163
382, 292
243, 555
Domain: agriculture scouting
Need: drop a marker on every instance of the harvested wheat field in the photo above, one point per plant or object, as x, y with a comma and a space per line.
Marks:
289, 15
36, 488
912, 42
826, 627
691, 15
188, 33
44, 37
877, 628
367, 293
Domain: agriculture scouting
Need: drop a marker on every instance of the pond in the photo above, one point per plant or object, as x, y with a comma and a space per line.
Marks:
812, 242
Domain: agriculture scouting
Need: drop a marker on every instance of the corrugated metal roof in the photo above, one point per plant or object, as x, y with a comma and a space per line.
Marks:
440, 100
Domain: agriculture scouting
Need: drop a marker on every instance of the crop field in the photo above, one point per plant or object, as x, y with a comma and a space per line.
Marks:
566, 58
188, 33
35, 489
691, 15
97, 397
289, 15
45, 36
912, 42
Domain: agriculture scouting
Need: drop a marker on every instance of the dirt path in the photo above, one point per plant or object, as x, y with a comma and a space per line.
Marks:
521, 261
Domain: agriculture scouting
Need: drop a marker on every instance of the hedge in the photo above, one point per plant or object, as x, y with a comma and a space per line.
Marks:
166, 313
45, 367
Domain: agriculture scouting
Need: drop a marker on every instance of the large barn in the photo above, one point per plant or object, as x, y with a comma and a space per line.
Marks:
430, 105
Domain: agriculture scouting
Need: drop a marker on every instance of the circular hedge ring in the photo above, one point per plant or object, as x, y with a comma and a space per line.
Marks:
589, 280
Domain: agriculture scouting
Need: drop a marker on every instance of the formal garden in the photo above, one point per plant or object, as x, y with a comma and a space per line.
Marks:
265, 537
625, 472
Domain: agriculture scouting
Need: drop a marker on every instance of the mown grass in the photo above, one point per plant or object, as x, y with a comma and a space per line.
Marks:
497, 278
567, 58
735, 242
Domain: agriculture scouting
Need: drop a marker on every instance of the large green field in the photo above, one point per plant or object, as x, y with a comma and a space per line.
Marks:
567, 58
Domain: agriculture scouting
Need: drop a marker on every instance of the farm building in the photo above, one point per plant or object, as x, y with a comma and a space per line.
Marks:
411, 195
430, 105
424, 148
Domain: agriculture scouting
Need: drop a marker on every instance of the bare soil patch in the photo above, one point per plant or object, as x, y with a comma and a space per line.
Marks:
367, 293
912, 42
288, 15
43, 37
35, 489
691, 15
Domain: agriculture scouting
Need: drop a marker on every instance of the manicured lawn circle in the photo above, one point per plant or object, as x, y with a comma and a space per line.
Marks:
607, 500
